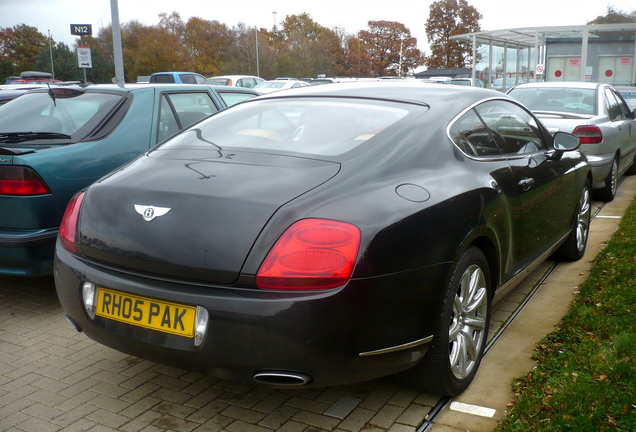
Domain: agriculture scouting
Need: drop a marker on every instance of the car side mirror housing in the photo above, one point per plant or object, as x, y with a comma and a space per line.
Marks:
565, 141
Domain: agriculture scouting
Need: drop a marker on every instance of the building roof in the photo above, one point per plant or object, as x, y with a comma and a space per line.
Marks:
532, 36
444, 72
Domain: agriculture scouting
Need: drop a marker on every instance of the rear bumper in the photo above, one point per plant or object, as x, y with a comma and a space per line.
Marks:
27, 253
364, 330
601, 165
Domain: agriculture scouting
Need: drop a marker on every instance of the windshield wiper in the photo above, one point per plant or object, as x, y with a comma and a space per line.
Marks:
8, 137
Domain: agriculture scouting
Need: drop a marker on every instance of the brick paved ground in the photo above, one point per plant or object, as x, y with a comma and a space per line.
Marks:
53, 378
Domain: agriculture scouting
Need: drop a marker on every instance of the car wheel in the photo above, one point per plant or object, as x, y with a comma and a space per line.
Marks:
461, 330
574, 246
608, 192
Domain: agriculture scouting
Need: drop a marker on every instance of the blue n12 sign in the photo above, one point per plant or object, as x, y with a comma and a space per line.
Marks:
84, 57
81, 29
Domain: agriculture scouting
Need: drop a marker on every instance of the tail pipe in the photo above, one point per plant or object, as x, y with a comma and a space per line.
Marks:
282, 379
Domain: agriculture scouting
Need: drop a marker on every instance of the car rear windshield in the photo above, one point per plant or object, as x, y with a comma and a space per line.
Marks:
217, 81
67, 114
316, 126
557, 99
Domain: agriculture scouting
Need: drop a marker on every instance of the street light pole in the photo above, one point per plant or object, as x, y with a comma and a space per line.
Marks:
117, 51
274, 19
258, 71
51, 51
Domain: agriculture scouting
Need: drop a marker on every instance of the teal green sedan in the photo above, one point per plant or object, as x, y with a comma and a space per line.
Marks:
54, 142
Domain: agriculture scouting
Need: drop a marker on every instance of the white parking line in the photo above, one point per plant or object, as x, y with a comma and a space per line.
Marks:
608, 217
473, 409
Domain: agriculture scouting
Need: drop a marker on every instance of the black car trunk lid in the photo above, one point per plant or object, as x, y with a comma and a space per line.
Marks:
193, 219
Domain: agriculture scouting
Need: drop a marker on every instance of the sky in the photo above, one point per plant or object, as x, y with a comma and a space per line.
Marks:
351, 15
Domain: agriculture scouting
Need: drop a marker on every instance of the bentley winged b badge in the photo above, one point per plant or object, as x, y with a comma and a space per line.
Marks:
150, 212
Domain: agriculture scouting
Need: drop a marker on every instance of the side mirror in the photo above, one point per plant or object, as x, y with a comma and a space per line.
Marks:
565, 142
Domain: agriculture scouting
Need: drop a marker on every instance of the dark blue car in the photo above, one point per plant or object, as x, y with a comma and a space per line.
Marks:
54, 142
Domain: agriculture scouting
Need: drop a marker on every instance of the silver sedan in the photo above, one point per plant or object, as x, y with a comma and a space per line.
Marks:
598, 115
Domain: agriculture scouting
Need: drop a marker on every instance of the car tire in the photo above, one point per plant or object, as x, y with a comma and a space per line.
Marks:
574, 246
608, 192
461, 330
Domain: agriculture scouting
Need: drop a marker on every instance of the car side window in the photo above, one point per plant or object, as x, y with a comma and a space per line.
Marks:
613, 108
625, 113
192, 106
232, 98
469, 133
515, 130
188, 79
168, 124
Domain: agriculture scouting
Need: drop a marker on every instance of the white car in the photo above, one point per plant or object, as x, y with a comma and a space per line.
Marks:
279, 84
598, 115
245, 81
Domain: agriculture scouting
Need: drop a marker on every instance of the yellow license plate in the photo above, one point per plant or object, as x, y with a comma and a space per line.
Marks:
146, 312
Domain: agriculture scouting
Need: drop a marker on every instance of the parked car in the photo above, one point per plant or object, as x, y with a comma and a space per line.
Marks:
498, 83
629, 95
9, 95
474, 82
247, 81
279, 84
12, 91
328, 235
58, 141
176, 78
598, 115
440, 79
34, 77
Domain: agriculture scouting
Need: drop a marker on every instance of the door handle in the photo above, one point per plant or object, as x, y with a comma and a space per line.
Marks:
526, 183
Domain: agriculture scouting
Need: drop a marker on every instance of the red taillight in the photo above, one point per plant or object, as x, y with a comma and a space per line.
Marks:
312, 254
68, 228
21, 181
588, 134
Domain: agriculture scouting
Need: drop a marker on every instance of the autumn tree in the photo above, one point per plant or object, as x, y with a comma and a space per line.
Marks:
449, 18
238, 55
207, 44
389, 45
21, 45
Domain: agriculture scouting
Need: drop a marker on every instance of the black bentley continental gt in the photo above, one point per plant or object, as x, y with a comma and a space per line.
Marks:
325, 235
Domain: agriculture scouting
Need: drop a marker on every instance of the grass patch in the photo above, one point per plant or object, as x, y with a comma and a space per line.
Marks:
585, 378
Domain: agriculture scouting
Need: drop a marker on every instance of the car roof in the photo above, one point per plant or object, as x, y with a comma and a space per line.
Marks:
168, 73
140, 86
234, 76
398, 90
563, 84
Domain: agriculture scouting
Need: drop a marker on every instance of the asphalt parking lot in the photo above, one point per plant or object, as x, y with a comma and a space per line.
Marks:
55, 379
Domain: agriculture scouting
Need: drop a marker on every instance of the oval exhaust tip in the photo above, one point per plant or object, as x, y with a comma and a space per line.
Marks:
282, 379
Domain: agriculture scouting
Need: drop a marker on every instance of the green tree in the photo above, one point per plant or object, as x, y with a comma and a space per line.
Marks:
304, 48
615, 16
389, 46
448, 18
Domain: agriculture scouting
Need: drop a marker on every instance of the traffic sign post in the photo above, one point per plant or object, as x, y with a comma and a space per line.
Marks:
81, 29
84, 60
83, 53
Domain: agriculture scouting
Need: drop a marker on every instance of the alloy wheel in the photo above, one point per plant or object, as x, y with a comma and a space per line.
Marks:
583, 220
467, 332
